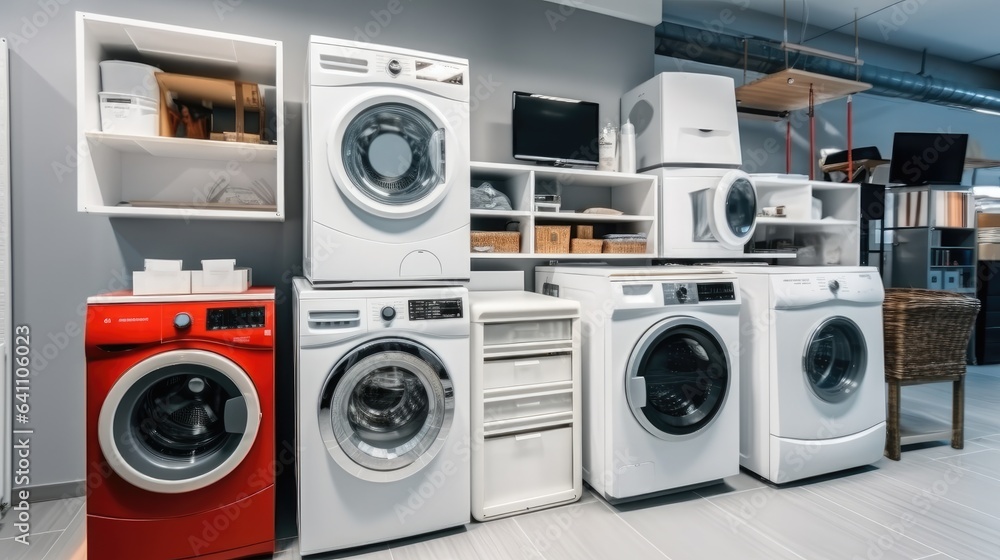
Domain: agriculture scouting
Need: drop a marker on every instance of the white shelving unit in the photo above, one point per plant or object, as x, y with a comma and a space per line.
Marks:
634, 195
163, 177
6, 318
832, 239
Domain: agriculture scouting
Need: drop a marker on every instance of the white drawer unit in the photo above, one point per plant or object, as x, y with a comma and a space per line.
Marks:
526, 439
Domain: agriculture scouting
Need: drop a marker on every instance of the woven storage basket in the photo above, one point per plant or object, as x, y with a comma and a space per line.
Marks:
926, 332
495, 242
624, 246
585, 245
552, 239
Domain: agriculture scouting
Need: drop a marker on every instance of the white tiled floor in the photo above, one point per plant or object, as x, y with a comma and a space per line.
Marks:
936, 503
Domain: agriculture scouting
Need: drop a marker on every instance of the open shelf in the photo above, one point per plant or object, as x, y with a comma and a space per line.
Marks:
579, 189
788, 90
167, 177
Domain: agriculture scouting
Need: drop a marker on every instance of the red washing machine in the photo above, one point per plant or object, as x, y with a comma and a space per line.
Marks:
180, 425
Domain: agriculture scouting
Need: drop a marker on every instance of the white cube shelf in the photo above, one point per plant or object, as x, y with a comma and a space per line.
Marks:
164, 177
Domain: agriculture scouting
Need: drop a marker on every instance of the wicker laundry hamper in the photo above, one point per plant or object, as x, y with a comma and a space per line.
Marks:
926, 336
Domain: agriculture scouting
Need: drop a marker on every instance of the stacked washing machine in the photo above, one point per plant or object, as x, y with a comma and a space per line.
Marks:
381, 317
812, 396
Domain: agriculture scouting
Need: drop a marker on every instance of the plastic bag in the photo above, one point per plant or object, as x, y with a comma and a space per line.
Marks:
486, 197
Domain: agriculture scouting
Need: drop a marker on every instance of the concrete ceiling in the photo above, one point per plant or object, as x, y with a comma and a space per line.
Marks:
962, 30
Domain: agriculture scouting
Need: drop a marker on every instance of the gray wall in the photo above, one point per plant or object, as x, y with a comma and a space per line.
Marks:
61, 256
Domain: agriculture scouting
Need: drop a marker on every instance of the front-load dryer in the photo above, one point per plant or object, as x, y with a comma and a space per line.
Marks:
813, 378
386, 144
180, 425
660, 375
705, 213
382, 389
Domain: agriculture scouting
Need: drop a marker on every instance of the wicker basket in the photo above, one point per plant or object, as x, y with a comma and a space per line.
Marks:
496, 242
552, 239
624, 246
926, 332
585, 245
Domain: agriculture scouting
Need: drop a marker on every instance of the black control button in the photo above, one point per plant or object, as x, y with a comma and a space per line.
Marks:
834, 285
182, 321
394, 67
682, 294
388, 313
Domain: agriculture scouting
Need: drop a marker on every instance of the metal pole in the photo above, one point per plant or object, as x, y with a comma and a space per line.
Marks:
812, 135
850, 133
788, 145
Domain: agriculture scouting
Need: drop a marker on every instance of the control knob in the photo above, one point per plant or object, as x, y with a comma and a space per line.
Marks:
394, 67
182, 321
388, 313
682, 294
834, 285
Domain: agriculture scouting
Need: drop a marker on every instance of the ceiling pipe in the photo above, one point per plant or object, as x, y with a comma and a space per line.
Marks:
767, 57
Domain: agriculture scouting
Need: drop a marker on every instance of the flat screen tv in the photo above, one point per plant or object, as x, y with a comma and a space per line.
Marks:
927, 158
554, 130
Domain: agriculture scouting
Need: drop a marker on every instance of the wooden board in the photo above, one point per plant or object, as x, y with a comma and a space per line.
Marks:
788, 90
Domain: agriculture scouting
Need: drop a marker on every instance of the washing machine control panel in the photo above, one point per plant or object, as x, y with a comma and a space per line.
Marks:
427, 309
677, 293
234, 318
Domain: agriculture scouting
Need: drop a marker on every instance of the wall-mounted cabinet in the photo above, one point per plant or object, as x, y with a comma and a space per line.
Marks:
168, 177
820, 224
634, 196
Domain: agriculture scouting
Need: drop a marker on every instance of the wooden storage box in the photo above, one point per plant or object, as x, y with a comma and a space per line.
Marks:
585, 245
624, 246
552, 239
495, 242
184, 112
584, 232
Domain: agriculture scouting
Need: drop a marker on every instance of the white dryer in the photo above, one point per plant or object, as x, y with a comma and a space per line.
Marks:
705, 213
382, 392
660, 375
386, 143
813, 380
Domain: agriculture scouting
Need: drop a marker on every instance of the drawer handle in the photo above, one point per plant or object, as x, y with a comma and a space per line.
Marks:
526, 363
532, 403
523, 437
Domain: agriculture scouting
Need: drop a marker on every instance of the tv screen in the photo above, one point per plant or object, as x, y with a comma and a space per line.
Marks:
554, 129
922, 158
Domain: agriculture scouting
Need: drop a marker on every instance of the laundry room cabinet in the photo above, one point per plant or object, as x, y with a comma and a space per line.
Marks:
156, 176
634, 196
821, 224
526, 434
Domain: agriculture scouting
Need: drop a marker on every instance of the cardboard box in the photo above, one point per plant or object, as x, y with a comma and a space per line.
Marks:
189, 104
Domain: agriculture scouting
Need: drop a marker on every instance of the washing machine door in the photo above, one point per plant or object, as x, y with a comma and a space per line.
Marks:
835, 359
387, 152
179, 421
677, 377
732, 216
386, 409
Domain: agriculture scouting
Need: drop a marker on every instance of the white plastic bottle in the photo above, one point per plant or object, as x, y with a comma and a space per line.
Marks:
626, 148
607, 148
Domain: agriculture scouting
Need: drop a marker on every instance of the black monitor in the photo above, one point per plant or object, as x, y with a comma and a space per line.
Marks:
928, 158
554, 130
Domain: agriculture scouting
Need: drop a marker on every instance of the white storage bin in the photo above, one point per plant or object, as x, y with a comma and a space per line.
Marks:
509, 408
155, 283
527, 331
131, 78
129, 114
527, 371
527, 468
220, 282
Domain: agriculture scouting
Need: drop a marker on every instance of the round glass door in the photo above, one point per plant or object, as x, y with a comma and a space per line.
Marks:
179, 421
678, 377
390, 157
834, 360
385, 406
734, 216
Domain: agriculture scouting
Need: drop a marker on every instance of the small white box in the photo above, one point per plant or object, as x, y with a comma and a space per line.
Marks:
129, 114
133, 78
162, 265
934, 280
951, 280
156, 283
221, 282
218, 265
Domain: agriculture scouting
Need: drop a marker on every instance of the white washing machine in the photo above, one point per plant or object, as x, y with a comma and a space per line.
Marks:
386, 136
705, 213
660, 375
382, 389
813, 379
